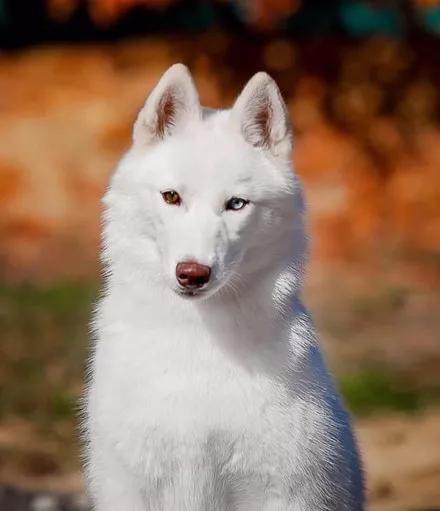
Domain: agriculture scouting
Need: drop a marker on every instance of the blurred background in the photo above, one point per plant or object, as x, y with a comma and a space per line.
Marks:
362, 84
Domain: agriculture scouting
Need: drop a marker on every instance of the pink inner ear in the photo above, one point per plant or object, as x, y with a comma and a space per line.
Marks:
262, 121
165, 114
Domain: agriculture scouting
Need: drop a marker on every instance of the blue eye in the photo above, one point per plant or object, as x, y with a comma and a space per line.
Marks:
236, 203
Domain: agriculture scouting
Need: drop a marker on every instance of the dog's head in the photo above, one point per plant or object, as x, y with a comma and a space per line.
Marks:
204, 199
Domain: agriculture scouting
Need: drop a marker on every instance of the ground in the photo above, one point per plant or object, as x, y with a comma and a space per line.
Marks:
402, 461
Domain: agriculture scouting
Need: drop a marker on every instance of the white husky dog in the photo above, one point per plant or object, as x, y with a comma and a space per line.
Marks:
208, 389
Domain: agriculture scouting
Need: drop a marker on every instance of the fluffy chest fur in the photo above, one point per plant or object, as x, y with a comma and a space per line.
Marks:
176, 386
173, 400
189, 420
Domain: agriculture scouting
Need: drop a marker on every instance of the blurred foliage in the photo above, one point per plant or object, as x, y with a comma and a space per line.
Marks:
356, 15
27, 21
366, 120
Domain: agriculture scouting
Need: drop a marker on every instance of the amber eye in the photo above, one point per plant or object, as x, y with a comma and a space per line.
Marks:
236, 203
171, 197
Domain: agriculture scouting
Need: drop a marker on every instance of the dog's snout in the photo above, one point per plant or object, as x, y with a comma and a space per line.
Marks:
192, 275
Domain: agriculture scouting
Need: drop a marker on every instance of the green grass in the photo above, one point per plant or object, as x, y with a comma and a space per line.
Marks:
370, 391
43, 349
374, 390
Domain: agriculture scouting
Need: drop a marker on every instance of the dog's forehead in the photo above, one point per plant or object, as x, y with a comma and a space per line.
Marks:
213, 156
208, 158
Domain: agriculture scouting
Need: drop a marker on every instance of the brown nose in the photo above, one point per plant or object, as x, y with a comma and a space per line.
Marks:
192, 275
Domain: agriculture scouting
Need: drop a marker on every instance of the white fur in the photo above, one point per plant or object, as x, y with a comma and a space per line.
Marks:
221, 401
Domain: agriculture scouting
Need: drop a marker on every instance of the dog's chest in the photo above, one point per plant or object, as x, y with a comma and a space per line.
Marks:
169, 411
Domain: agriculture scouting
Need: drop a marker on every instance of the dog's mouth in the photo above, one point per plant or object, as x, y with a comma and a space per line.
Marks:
191, 293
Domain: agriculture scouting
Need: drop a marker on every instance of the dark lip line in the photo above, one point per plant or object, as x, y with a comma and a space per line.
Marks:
194, 293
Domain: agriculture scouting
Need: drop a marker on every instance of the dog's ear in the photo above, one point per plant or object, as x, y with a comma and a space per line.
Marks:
170, 106
262, 116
